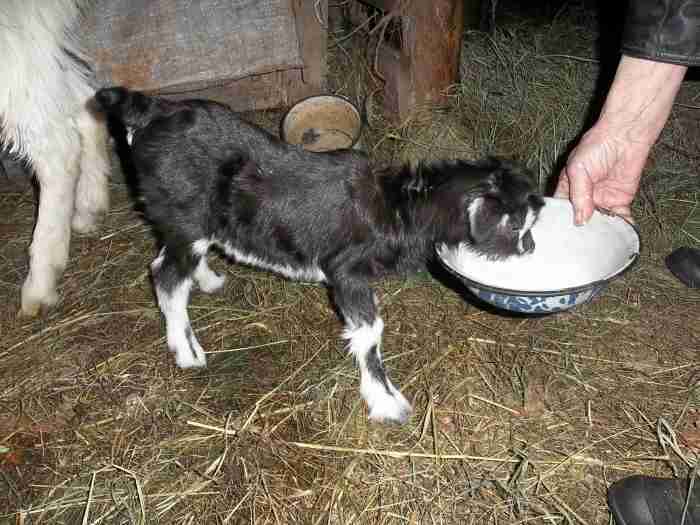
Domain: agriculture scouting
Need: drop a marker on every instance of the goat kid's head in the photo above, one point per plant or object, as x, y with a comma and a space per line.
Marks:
500, 207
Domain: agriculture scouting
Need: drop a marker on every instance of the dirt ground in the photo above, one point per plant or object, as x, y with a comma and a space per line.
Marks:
516, 420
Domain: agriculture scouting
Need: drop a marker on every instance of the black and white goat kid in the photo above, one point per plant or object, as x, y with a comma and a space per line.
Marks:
209, 178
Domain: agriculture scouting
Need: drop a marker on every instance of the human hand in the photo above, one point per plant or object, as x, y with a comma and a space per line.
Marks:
605, 167
603, 171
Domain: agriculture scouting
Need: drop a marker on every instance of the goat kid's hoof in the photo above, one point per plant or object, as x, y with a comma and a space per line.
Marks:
190, 359
391, 409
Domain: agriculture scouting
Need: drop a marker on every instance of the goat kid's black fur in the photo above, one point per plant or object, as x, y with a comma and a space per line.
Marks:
208, 178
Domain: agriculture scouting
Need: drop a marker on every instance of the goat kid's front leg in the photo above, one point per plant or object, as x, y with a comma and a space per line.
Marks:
172, 274
363, 330
57, 168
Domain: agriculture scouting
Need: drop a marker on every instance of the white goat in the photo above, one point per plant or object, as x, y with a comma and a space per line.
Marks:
45, 119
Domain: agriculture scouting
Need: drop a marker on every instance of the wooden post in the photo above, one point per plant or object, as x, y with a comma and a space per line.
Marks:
437, 42
427, 62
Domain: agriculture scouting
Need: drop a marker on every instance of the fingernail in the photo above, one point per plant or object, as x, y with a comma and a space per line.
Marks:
579, 218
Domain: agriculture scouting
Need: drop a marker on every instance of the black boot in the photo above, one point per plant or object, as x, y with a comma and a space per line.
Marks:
684, 263
643, 500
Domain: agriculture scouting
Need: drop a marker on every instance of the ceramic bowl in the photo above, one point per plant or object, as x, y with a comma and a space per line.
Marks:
322, 123
570, 265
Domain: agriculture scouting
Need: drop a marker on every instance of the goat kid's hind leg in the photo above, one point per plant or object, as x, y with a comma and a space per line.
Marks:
363, 330
57, 169
172, 274
92, 197
208, 280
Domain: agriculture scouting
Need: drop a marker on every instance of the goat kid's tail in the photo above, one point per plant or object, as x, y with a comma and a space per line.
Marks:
131, 108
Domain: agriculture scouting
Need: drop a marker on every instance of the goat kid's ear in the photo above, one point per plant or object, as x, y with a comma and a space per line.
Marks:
487, 218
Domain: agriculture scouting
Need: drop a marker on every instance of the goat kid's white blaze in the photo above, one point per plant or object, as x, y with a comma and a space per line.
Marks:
473, 210
382, 405
527, 225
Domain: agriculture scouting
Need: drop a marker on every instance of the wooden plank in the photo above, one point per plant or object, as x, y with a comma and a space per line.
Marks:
254, 92
395, 67
311, 23
283, 88
180, 45
268, 67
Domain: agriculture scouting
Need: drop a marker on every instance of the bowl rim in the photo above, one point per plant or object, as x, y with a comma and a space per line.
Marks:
632, 262
343, 98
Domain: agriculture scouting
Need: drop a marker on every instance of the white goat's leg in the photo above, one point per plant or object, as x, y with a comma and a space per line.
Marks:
57, 171
92, 194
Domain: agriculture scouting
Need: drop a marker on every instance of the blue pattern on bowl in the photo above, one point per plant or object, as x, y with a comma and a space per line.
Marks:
537, 304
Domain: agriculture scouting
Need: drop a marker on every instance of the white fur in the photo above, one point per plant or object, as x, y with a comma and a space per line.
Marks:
44, 119
158, 261
200, 247
188, 352
527, 226
473, 210
310, 274
207, 280
382, 406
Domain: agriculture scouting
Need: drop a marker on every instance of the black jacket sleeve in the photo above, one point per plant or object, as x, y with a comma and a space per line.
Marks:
663, 30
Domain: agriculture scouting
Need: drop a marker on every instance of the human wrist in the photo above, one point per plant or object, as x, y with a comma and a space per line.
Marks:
640, 99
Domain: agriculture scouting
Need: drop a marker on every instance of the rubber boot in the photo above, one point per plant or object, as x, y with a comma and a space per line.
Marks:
643, 500
684, 263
